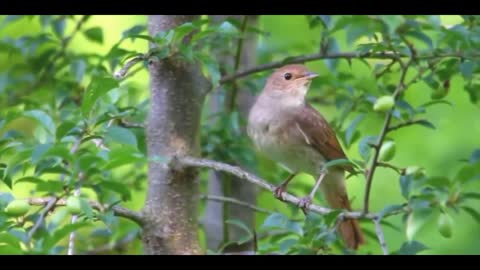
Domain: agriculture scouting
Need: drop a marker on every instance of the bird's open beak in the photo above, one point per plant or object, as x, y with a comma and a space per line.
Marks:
311, 75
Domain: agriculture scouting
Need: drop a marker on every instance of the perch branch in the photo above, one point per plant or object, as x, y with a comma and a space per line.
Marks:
246, 176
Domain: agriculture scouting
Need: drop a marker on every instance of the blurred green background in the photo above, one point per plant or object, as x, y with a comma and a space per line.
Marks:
438, 151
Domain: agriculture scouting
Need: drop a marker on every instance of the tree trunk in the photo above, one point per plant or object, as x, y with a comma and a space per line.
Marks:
177, 95
217, 231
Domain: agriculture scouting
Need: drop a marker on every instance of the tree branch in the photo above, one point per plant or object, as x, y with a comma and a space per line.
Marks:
244, 175
339, 55
305, 58
49, 205
381, 237
117, 210
383, 133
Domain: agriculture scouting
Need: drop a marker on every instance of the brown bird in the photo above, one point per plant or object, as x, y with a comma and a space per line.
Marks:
286, 128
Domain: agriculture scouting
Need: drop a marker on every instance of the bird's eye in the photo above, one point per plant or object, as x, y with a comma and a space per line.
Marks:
287, 76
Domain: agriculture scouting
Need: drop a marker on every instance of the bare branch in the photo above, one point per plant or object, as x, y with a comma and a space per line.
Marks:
117, 210
381, 237
306, 58
244, 175
120, 74
126, 124
50, 204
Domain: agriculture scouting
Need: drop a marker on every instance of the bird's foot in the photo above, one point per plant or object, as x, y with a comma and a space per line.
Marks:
305, 203
278, 192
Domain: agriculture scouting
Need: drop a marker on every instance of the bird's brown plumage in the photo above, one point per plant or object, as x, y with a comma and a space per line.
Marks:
288, 129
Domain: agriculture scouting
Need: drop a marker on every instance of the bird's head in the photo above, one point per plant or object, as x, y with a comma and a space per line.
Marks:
290, 81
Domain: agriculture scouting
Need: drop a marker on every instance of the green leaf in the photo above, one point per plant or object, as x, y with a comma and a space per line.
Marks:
475, 157
9, 19
78, 68
294, 227
412, 248
331, 217
9, 239
406, 185
471, 195
120, 188
338, 162
422, 37
425, 123
392, 22
435, 102
119, 157
416, 220
121, 135
352, 128
86, 208
94, 34
135, 30
438, 181
389, 209
364, 148
97, 88
472, 212
468, 173
240, 224
39, 151
64, 128
275, 220
43, 118
181, 31
212, 69
467, 68
59, 27
62, 233
287, 244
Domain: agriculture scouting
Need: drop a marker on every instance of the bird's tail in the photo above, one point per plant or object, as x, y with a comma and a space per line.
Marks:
335, 193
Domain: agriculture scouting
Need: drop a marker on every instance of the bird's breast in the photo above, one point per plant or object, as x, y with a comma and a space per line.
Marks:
272, 139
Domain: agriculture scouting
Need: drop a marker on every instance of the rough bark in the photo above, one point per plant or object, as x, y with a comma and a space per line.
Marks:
217, 232
177, 94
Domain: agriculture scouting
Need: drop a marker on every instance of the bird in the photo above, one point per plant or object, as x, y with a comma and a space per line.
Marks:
287, 129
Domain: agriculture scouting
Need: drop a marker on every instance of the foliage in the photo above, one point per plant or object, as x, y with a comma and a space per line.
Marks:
66, 125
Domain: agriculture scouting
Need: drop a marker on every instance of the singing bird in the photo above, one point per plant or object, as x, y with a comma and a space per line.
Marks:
287, 129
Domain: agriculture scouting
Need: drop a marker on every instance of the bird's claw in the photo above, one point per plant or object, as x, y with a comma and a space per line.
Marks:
305, 203
278, 192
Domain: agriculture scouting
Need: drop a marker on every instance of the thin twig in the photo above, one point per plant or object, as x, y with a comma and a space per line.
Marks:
404, 124
381, 237
50, 204
120, 74
337, 55
126, 124
302, 59
117, 210
383, 133
237, 202
232, 95
388, 165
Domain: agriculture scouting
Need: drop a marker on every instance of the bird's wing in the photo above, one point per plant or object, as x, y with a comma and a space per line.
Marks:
311, 128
